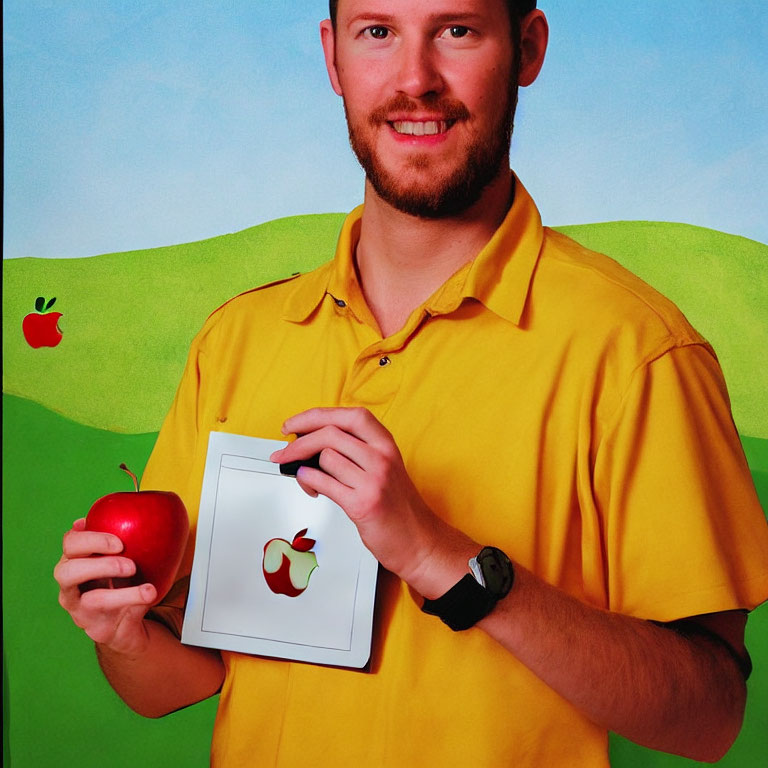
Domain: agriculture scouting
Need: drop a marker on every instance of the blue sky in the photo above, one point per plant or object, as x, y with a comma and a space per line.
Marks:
139, 123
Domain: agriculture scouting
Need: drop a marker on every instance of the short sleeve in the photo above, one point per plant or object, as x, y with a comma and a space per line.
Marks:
171, 467
170, 462
684, 532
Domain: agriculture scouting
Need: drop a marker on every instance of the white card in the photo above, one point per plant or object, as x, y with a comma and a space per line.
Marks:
302, 601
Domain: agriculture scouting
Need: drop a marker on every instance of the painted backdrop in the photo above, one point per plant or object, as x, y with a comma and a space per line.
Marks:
162, 156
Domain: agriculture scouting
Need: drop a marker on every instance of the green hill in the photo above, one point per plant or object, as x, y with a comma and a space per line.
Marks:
58, 702
128, 318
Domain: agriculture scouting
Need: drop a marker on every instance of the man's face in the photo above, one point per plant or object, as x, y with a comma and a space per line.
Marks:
429, 93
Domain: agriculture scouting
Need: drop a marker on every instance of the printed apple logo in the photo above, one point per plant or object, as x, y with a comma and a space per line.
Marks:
41, 329
287, 565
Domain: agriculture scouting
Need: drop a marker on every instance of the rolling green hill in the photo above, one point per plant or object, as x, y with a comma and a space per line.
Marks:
72, 413
128, 318
58, 702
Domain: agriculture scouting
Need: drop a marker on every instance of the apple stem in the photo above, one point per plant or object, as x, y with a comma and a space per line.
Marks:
135, 481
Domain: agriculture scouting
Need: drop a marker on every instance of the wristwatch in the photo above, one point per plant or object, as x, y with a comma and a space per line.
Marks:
475, 595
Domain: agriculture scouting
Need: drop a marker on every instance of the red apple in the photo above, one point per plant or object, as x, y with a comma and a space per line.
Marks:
153, 526
41, 328
288, 566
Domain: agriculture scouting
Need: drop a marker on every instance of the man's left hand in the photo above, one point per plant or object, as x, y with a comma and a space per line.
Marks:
363, 472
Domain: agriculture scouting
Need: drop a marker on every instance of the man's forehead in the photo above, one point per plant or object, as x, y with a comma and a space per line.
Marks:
422, 8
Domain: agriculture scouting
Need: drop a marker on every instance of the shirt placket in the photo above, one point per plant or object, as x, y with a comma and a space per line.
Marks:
377, 373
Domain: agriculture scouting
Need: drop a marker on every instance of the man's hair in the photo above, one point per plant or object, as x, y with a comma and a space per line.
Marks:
517, 9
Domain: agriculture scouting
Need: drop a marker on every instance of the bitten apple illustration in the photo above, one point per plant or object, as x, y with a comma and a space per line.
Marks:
41, 328
153, 526
287, 565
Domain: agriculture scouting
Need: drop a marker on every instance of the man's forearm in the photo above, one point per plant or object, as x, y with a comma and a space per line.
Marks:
166, 677
646, 682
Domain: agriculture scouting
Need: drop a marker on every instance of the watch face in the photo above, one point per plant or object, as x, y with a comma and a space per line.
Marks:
497, 571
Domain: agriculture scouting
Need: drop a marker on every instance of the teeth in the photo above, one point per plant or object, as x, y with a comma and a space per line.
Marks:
427, 128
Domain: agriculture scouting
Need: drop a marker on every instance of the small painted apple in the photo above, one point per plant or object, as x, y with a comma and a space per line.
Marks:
287, 565
41, 328
153, 526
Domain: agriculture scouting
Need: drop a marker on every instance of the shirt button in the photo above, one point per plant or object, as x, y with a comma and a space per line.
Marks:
384, 361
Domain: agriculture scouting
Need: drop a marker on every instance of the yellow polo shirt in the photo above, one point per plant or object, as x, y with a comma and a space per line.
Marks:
546, 402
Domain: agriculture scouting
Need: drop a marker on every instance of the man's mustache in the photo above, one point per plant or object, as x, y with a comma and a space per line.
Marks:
448, 109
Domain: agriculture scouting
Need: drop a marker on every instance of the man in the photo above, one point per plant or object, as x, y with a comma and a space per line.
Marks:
469, 379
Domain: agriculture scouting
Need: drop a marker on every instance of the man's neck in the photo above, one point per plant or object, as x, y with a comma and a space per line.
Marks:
402, 259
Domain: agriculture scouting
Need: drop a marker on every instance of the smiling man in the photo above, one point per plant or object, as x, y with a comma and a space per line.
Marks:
535, 445
431, 144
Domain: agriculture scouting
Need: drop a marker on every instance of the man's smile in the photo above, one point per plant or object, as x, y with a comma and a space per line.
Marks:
421, 127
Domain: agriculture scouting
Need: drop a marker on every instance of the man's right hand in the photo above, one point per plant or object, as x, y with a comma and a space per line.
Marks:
113, 618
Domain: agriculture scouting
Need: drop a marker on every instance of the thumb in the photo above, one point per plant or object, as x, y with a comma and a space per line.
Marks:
308, 489
148, 594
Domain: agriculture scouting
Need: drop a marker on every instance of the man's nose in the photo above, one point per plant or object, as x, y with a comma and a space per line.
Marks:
418, 71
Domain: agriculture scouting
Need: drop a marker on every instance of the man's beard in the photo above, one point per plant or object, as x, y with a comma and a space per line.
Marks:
484, 159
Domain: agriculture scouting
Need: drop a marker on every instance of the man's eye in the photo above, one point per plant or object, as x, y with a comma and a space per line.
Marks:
377, 33
458, 31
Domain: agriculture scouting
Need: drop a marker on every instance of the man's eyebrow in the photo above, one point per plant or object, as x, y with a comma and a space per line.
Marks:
371, 17
458, 18
440, 18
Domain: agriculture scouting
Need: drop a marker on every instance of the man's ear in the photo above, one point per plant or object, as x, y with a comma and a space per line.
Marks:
328, 39
534, 34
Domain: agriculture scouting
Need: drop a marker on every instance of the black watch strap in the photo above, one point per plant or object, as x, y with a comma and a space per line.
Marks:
469, 600
463, 605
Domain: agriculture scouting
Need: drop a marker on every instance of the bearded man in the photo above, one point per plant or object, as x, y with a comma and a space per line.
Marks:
522, 432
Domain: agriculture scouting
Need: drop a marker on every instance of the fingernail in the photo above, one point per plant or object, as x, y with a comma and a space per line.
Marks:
147, 591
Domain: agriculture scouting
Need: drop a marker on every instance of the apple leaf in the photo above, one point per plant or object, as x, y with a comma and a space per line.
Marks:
50, 304
303, 545
299, 534
39, 303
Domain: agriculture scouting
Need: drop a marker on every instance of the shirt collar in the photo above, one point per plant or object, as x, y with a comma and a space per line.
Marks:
336, 278
499, 276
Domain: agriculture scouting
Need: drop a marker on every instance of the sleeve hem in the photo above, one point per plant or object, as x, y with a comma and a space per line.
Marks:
742, 595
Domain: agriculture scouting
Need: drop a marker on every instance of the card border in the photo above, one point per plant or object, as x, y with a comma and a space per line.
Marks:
357, 656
